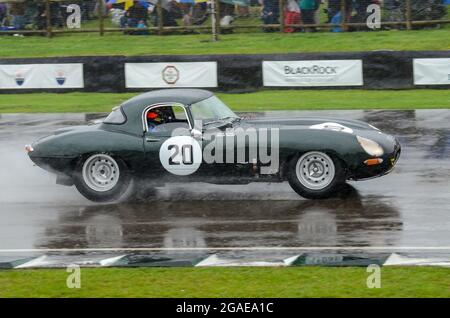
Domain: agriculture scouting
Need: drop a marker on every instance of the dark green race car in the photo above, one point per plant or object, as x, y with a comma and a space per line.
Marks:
187, 135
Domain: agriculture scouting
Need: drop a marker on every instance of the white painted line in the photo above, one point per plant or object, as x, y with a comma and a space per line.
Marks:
290, 260
34, 262
111, 260
214, 260
396, 260
256, 248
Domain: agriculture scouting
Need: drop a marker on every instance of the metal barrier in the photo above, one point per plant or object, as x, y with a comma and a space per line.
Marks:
53, 16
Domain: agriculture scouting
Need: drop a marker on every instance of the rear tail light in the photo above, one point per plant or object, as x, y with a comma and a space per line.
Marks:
28, 148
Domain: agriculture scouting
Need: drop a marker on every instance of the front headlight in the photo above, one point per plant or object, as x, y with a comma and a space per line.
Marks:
370, 146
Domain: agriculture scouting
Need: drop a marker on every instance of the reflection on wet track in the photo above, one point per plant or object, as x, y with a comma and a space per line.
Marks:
226, 224
409, 207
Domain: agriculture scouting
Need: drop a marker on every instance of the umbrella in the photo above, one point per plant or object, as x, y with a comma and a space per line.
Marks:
128, 3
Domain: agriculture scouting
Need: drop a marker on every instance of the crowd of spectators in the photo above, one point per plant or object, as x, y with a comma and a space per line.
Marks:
32, 14
307, 12
140, 14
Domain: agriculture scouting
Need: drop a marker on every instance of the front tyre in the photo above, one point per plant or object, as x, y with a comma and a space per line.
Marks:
315, 175
102, 178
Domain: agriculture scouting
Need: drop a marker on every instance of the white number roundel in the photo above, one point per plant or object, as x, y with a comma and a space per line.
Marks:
181, 155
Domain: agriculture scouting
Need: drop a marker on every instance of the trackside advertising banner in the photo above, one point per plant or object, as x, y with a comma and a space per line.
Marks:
431, 71
313, 73
163, 75
32, 76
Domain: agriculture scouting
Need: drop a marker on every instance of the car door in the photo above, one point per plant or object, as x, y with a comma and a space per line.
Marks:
157, 133
230, 158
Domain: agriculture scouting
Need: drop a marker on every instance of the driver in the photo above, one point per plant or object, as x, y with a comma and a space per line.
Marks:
156, 117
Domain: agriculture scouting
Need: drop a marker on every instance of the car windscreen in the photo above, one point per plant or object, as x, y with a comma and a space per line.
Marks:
211, 109
115, 117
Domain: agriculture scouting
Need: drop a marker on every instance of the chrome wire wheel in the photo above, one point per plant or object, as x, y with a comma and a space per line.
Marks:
100, 172
315, 170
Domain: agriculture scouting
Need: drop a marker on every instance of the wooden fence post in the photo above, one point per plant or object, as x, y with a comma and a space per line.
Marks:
159, 12
101, 11
217, 18
48, 17
343, 15
214, 20
281, 8
408, 15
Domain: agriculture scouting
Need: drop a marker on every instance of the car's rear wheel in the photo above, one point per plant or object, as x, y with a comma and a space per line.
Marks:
315, 175
102, 178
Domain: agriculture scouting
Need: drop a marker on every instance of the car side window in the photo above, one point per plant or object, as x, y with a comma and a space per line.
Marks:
164, 119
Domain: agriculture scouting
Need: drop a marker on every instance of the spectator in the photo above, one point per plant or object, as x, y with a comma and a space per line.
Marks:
133, 15
194, 13
2, 13
394, 12
334, 8
186, 7
199, 13
226, 15
170, 12
17, 10
40, 20
308, 9
270, 13
291, 15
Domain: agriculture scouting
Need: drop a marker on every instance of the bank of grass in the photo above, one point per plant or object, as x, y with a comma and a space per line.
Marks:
118, 44
228, 282
257, 101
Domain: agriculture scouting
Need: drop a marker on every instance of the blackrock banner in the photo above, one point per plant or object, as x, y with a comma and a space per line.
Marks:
163, 75
313, 73
431, 71
41, 76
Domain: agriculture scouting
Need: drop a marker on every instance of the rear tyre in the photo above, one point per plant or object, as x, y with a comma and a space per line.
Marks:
315, 175
102, 178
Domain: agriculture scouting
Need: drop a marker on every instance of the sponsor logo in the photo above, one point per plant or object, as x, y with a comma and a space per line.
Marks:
20, 78
60, 77
170, 74
310, 70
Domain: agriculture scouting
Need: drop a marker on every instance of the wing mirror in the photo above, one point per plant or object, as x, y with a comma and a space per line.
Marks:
196, 134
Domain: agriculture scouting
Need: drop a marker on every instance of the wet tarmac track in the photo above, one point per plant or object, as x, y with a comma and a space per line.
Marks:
408, 208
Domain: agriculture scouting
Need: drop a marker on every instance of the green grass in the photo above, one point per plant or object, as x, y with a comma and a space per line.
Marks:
118, 44
227, 282
258, 101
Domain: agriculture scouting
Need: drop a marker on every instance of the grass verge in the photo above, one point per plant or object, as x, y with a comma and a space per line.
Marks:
228, 282
119, 44
258, 101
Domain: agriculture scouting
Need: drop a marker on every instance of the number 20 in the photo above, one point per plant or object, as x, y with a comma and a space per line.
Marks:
186, 156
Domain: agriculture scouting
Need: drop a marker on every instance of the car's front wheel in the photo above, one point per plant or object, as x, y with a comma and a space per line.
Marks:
315, 175
102, 178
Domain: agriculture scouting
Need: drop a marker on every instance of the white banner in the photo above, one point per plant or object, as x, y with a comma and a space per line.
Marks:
431, 71
313, 73
179, 74
26, 76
